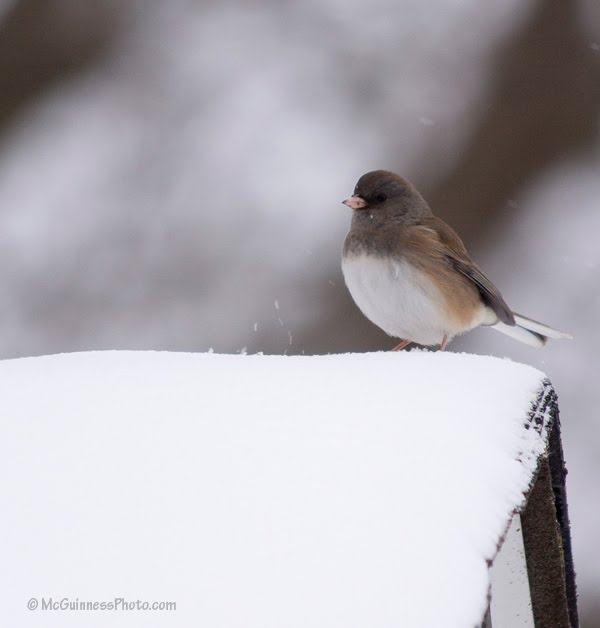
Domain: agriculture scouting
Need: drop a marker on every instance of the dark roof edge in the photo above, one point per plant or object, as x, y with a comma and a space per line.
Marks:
558, 472
545, 520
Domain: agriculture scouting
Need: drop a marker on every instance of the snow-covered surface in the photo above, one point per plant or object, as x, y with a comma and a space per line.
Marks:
260, 491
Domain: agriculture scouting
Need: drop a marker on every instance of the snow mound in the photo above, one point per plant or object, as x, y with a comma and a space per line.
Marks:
259, 491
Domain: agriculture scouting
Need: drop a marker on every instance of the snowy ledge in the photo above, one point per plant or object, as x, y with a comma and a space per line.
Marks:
264, 491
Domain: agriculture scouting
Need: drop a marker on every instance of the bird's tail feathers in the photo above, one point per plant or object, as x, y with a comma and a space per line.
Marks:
532, 333
540, 328
530, 338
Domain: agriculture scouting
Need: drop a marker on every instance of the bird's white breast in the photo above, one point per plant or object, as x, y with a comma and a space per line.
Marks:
397, 297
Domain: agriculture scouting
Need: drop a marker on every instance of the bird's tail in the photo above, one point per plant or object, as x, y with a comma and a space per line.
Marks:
529, 331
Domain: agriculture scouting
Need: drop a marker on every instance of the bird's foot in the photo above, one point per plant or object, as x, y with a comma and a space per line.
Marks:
444, 343
402, 345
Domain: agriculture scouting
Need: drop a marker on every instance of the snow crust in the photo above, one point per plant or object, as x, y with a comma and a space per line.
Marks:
260, 491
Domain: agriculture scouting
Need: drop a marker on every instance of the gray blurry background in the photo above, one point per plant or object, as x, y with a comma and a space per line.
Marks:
171, 176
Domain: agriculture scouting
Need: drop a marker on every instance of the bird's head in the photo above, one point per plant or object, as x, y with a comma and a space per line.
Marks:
386, 193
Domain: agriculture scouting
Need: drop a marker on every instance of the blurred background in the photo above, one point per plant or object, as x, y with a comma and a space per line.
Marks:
171, 176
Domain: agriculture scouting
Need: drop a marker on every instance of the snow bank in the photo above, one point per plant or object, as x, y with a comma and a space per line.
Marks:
260, 491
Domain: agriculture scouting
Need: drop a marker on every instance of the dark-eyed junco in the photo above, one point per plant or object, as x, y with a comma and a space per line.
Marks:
411, 275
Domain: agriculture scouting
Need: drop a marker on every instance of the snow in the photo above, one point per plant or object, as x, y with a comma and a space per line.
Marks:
260, 491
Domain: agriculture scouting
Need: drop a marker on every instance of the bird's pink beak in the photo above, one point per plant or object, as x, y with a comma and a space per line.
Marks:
355, 202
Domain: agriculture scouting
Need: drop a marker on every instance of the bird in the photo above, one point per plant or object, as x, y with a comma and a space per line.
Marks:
410, 274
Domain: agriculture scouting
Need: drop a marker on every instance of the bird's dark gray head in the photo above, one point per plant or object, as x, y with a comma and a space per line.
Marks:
385, 193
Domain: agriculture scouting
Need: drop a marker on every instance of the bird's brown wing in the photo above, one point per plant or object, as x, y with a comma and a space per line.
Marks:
489, 292
460, 260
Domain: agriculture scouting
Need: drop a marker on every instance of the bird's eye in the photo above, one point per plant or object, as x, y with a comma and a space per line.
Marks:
380, 198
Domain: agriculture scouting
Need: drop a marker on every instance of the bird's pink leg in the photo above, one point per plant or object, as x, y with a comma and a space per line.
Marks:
444, 343
401, 345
